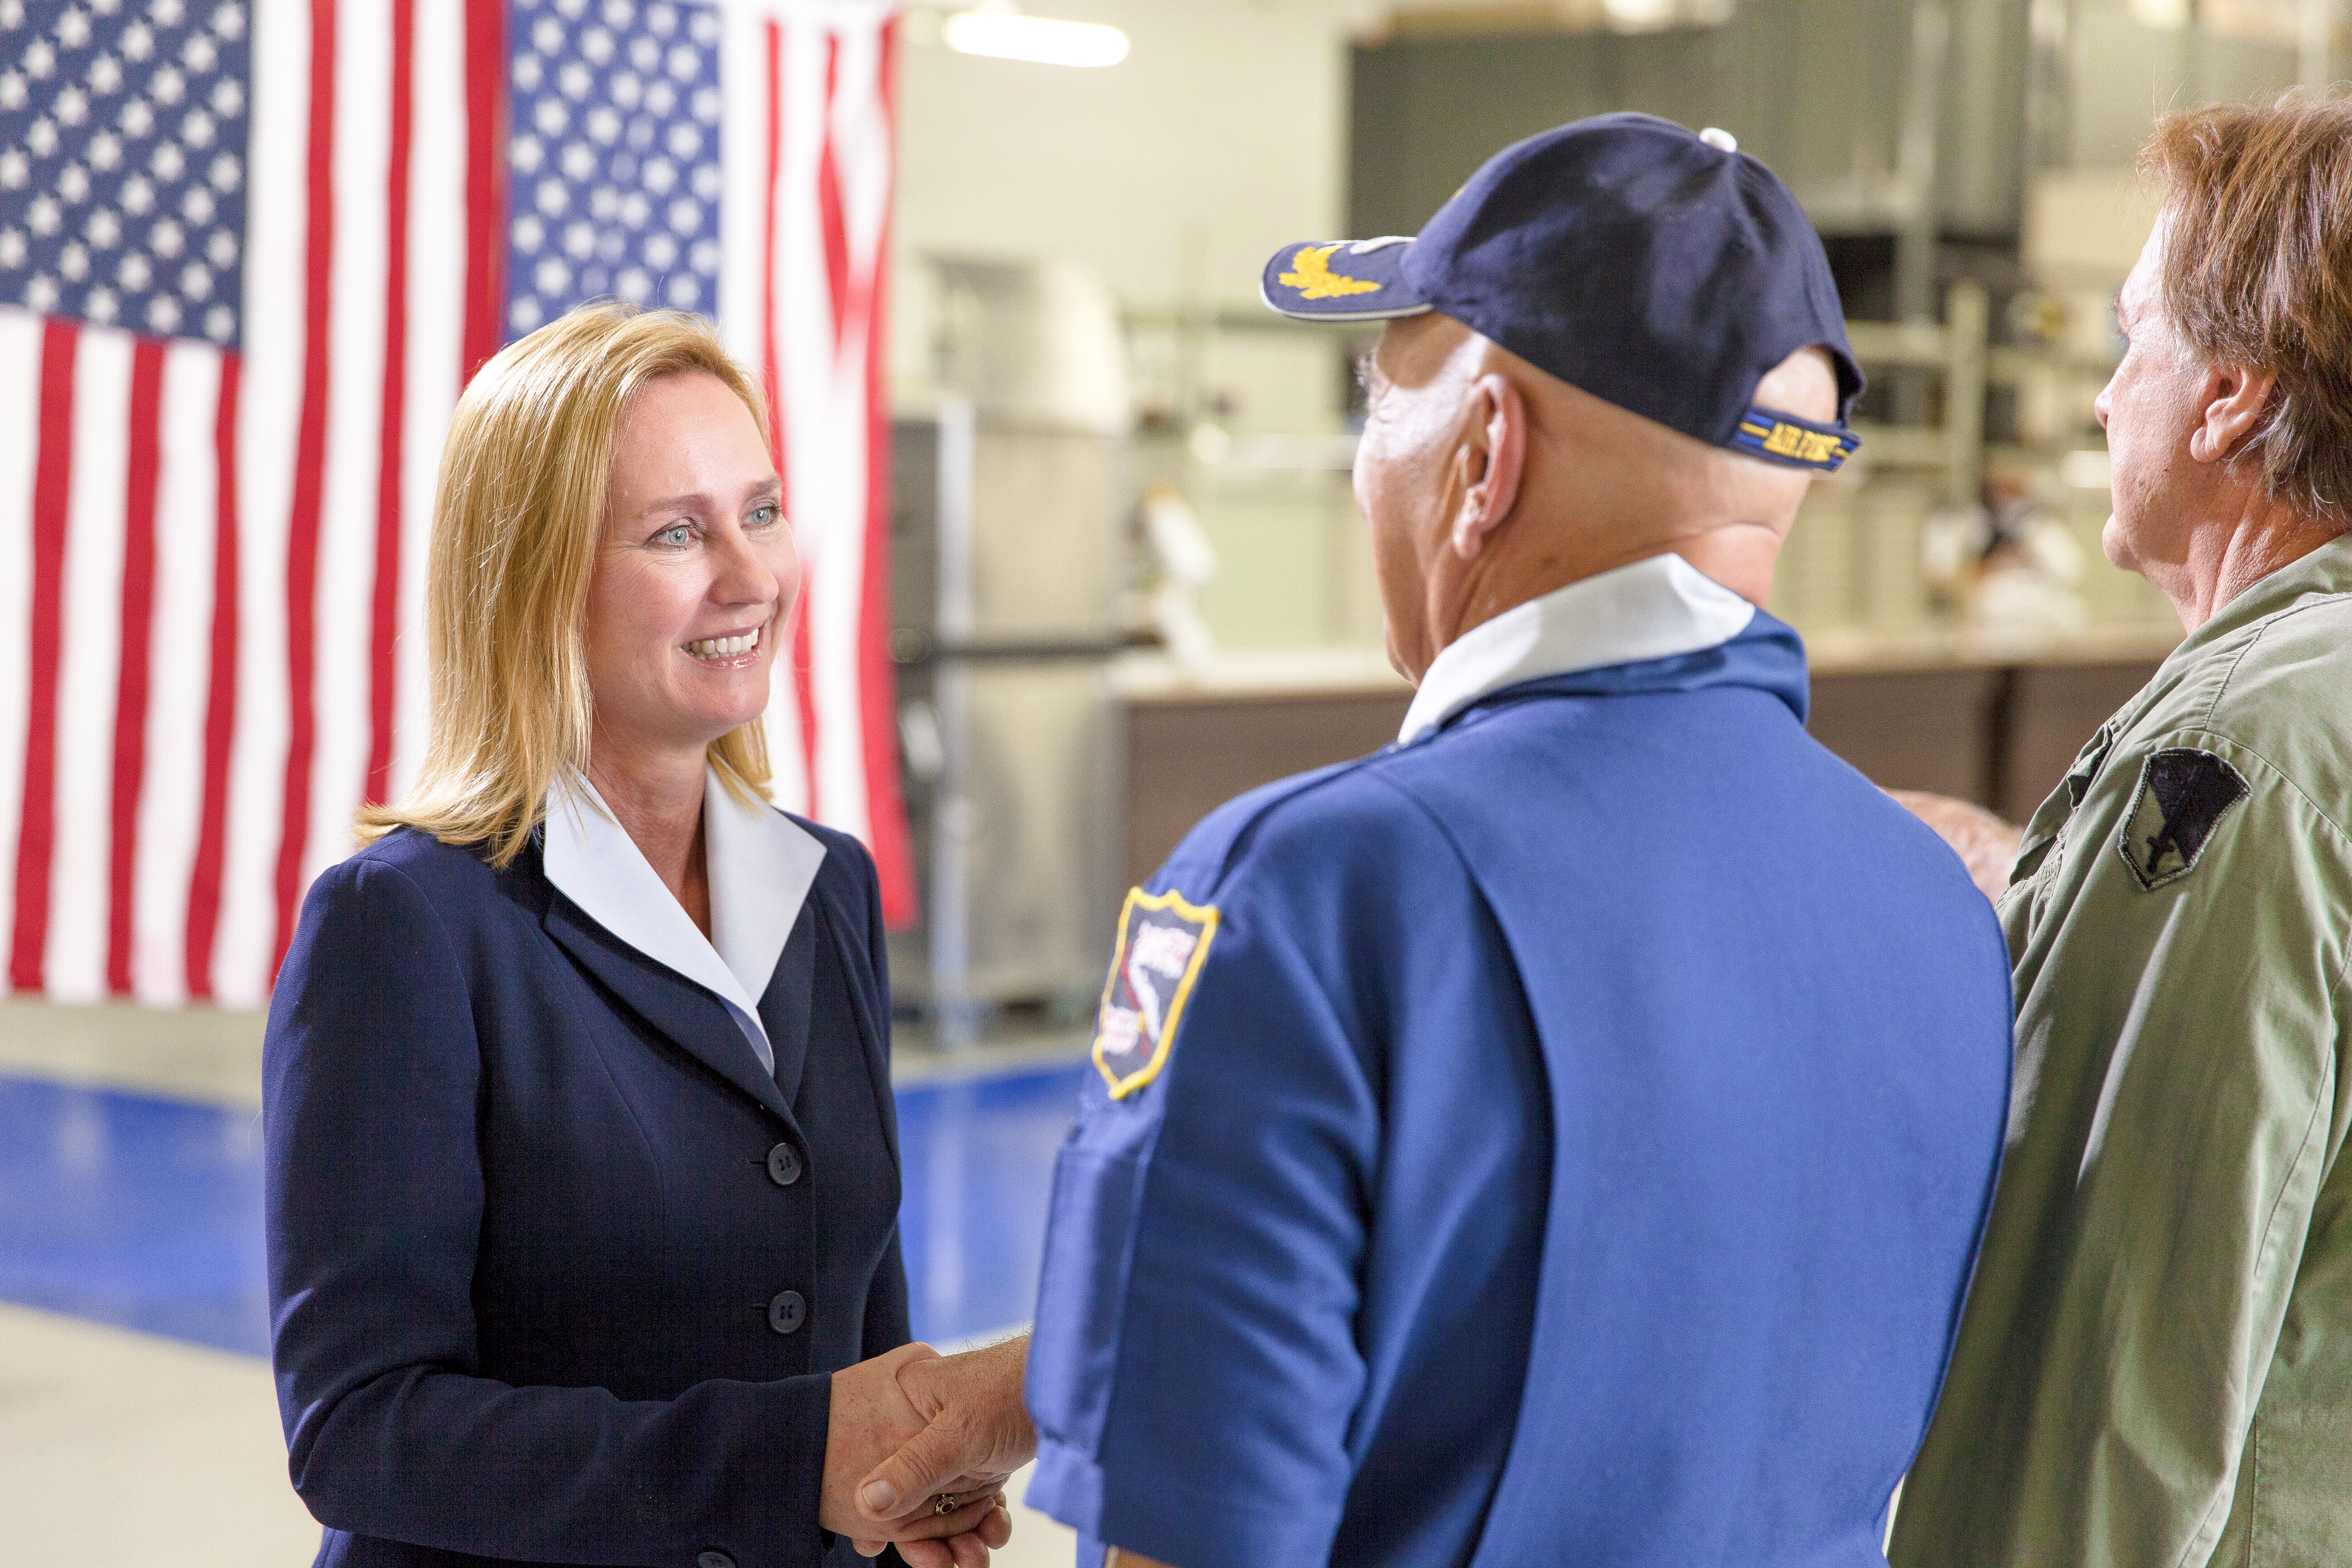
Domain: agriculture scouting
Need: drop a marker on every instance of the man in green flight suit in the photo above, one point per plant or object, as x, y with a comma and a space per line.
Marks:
2155, 1365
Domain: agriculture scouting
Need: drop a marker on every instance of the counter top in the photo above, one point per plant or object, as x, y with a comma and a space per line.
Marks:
1280, 674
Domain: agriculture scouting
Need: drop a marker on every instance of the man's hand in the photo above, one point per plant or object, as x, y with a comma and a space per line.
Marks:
975, 1434
871, 1420
1986, 845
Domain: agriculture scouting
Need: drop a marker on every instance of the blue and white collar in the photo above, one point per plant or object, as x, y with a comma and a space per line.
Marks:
1656, 607
761, 863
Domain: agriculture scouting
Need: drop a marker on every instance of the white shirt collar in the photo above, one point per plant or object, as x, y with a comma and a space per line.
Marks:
762, 865
1655, 607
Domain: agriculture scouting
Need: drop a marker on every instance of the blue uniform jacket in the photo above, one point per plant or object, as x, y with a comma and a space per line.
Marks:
534, 1209
1572, 1147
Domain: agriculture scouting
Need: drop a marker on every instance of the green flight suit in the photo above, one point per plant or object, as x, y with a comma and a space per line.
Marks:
2155, 1365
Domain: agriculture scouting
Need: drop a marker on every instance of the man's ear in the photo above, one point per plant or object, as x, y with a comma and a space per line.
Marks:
2233, 397
1494, 455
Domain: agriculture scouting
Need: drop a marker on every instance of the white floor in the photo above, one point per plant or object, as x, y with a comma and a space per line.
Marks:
119, 1450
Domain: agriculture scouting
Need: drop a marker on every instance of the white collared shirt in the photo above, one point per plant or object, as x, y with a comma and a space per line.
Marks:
1655, 607
760, 864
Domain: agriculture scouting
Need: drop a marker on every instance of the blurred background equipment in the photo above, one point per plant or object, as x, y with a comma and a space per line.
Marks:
1013, 500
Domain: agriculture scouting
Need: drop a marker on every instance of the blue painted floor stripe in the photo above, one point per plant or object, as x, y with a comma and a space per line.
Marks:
146, 1213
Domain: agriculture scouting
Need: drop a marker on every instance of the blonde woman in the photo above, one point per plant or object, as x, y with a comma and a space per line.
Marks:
583, 1171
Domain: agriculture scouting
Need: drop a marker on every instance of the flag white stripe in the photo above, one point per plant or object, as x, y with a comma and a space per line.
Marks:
89, 649
837, 621
20, 423
342, 692
171, 798
270, 408
437, 280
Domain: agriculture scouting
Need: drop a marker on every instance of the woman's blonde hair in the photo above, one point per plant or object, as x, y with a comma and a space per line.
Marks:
524, 479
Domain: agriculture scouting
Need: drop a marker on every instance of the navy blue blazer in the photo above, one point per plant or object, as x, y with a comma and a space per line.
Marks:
557, 1273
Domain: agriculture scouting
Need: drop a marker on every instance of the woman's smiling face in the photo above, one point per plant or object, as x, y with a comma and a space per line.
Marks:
695, 576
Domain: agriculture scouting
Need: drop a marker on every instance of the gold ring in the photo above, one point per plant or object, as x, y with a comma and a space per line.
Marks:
944, 1504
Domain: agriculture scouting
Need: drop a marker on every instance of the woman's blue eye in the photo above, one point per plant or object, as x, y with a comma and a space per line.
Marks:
676, 534
764, 515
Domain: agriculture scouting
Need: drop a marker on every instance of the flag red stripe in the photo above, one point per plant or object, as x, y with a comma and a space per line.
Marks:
886, 814
803, 683
52, 489
310, 477
385, 612
220, 702
835, 228
141, 472
486, 177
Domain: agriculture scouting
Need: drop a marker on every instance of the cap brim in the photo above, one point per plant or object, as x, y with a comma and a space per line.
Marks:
1340, 280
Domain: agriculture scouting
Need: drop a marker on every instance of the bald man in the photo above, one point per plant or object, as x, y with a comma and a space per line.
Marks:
1563, 1136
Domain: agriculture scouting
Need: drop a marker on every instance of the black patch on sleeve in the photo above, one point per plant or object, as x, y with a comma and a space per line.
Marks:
2183, 794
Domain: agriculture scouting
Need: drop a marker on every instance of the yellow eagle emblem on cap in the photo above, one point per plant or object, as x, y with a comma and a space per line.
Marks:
1316, 281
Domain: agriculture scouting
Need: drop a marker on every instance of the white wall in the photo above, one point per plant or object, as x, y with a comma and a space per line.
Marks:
1174, 174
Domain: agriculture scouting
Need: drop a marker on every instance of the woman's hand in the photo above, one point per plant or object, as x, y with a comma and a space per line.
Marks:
871, 1420
976, 1433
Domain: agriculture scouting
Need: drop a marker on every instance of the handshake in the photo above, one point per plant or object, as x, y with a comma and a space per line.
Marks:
918, 1450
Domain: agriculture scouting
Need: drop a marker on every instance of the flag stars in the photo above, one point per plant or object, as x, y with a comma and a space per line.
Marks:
39, 60
198, 207
74, 262
105, 152
138, 117
228, 22
73, 29
168, 12
138, 42
163, 314
104, 229
13, 248
616, 174
99, 305
138, 196
105, 75
168, 86
41, 292
73, 184
43, 216
15, 170
14, 94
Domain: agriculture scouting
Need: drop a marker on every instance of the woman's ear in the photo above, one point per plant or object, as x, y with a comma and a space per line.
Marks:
2234, 397
1494, 450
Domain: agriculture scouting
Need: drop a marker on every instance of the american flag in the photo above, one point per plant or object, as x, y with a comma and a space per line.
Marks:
249, 251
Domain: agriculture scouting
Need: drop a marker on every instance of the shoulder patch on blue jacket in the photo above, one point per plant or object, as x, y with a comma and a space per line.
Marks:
1162, 942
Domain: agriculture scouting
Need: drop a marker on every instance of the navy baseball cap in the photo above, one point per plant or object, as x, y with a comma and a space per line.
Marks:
1662, 270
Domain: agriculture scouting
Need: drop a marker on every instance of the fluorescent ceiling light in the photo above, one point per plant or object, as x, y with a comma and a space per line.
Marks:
1639, 13
1006, 36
